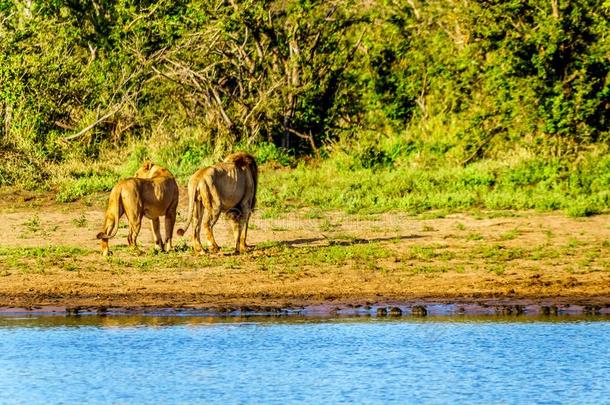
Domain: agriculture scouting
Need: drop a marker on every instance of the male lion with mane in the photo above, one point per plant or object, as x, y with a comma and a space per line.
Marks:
152, 193
228, 187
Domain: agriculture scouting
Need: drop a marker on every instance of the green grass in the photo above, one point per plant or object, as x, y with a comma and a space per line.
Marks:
432, 188
510, 235
276, 256
80, 222
498, 269
422, 253
39, 260
328, 226
33, 224
500, 253
540, 184
281, 258
73, 189
314, 213
428, 253
48, 252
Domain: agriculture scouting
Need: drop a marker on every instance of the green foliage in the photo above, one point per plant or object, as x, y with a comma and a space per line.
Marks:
584, 207
301, 75
185, 157
267, 152
414, 105
371, 157
21, 168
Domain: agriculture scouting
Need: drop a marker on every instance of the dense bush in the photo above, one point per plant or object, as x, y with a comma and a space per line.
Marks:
302, 73
377, 85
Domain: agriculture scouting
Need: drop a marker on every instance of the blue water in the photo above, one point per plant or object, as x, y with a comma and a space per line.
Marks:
203, 360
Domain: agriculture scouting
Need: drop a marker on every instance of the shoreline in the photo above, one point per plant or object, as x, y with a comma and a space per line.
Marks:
390, 308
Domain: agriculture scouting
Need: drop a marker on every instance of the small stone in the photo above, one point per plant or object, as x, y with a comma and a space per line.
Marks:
395, 311
419, 310
504, 310
592, 309
72, 310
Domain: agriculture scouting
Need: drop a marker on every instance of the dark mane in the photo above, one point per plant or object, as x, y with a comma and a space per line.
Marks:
243, 160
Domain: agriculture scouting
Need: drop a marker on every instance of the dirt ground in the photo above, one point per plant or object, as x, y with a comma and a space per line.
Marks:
49, 257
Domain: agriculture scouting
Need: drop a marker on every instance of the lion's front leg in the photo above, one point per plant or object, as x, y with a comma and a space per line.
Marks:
105, 250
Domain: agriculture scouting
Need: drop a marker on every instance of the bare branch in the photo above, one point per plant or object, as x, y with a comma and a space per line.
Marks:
415, 11
307, 137
135, 20
90, 127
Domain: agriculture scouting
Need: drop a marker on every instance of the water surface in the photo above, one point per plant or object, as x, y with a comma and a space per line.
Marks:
122, 359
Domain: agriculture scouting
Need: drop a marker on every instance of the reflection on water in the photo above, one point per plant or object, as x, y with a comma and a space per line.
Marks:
121, 321
55, 359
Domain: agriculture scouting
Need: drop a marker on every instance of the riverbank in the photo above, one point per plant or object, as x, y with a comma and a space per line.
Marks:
305, 258
483, 309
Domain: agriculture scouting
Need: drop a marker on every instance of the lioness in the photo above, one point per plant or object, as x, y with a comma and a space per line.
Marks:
228, 187
153, 193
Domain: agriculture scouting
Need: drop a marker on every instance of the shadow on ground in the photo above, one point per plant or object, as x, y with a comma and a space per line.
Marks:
302, 242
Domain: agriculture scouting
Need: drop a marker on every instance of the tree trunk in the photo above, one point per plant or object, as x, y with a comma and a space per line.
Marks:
555, 8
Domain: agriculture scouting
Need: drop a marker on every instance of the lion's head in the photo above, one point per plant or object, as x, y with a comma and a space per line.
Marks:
148, 170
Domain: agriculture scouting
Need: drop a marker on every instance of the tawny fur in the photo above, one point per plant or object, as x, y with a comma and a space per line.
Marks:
228, 187
152, 193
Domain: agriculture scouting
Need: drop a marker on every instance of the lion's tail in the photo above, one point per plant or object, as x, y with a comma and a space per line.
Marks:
193, 192
241, 160
111, 222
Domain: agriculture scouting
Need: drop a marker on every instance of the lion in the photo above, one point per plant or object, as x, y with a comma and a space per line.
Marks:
152, 193
228, 187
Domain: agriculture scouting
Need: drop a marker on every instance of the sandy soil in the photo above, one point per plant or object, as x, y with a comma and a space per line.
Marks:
523, 257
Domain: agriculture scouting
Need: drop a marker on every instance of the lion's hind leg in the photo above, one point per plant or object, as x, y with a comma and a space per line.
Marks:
135, 222
198, 213
235, 217
170, 222
210, 217
211, 213
156, 229
240, 228
243, 246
